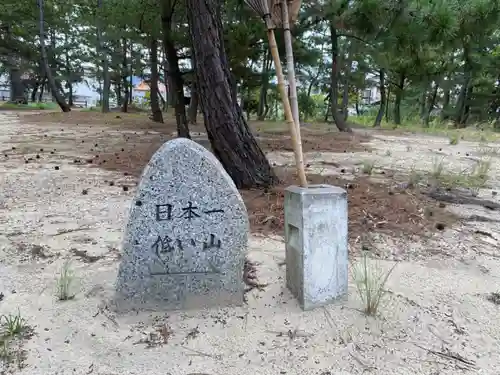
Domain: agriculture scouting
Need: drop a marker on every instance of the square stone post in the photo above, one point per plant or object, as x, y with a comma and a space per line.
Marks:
316, 244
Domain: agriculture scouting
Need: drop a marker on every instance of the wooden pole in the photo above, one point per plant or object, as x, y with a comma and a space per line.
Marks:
292, 126
290, 66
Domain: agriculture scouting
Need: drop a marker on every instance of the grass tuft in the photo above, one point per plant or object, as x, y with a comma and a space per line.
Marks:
370, 280
437, 169
414, 178
12, 325
472, 179
454, 139
65, 282
367, 167
13, 329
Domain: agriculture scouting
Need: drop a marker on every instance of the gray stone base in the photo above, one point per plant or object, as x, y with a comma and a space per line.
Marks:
316, 244
215, 298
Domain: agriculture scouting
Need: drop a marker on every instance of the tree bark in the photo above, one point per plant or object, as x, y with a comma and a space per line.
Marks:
70, 94
328, 105
105, 63
174, 71
168, 88
42, 89
17, 92
53, 62
337, 117
52, 83
130, 81
195, 98
125, 72
432, 102
345, 91
162, 100
35, 90
381, 108
11, 63
232, 142
69, 77
153, 86
387, 100
462, 107
345, 101
446, 99
357, 102
118, 91
399, 98
193, 106
424, 98
312, 83
263, 108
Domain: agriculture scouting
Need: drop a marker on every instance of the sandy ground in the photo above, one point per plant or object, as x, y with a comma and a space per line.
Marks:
436, 302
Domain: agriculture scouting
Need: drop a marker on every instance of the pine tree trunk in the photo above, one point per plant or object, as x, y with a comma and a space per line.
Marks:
11, 64
446, 87
431, 104
42, 89
193, 105
398, 98
155, 104
337, 117
174, 72
462, 100
345, 100
357, 103
130, 81
345, 94
35, 90
264, 86
232, 142
52, 83
68, 72
381, 108
168, 84
424, 99
70, 94
126, 87
17, 94
105, 65
387, 101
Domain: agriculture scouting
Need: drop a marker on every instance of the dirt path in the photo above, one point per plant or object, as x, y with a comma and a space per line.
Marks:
437, 300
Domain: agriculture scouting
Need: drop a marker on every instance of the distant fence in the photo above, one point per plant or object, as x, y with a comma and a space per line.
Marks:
76, 102
80, 103
7, 98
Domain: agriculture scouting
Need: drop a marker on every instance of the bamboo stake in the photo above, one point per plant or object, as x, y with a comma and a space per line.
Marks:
292, 126
290, 66
264, 9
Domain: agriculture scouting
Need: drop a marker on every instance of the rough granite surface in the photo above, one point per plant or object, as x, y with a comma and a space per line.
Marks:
186, 238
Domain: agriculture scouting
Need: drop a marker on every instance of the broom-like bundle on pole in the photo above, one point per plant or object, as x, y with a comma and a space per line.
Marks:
264, 9
292, 10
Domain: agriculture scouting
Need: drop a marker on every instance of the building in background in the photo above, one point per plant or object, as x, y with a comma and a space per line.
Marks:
371, 95
87, 93
141, 91
84, 101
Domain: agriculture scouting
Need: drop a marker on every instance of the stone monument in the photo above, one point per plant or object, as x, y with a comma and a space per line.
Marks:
316, 244
186, 238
